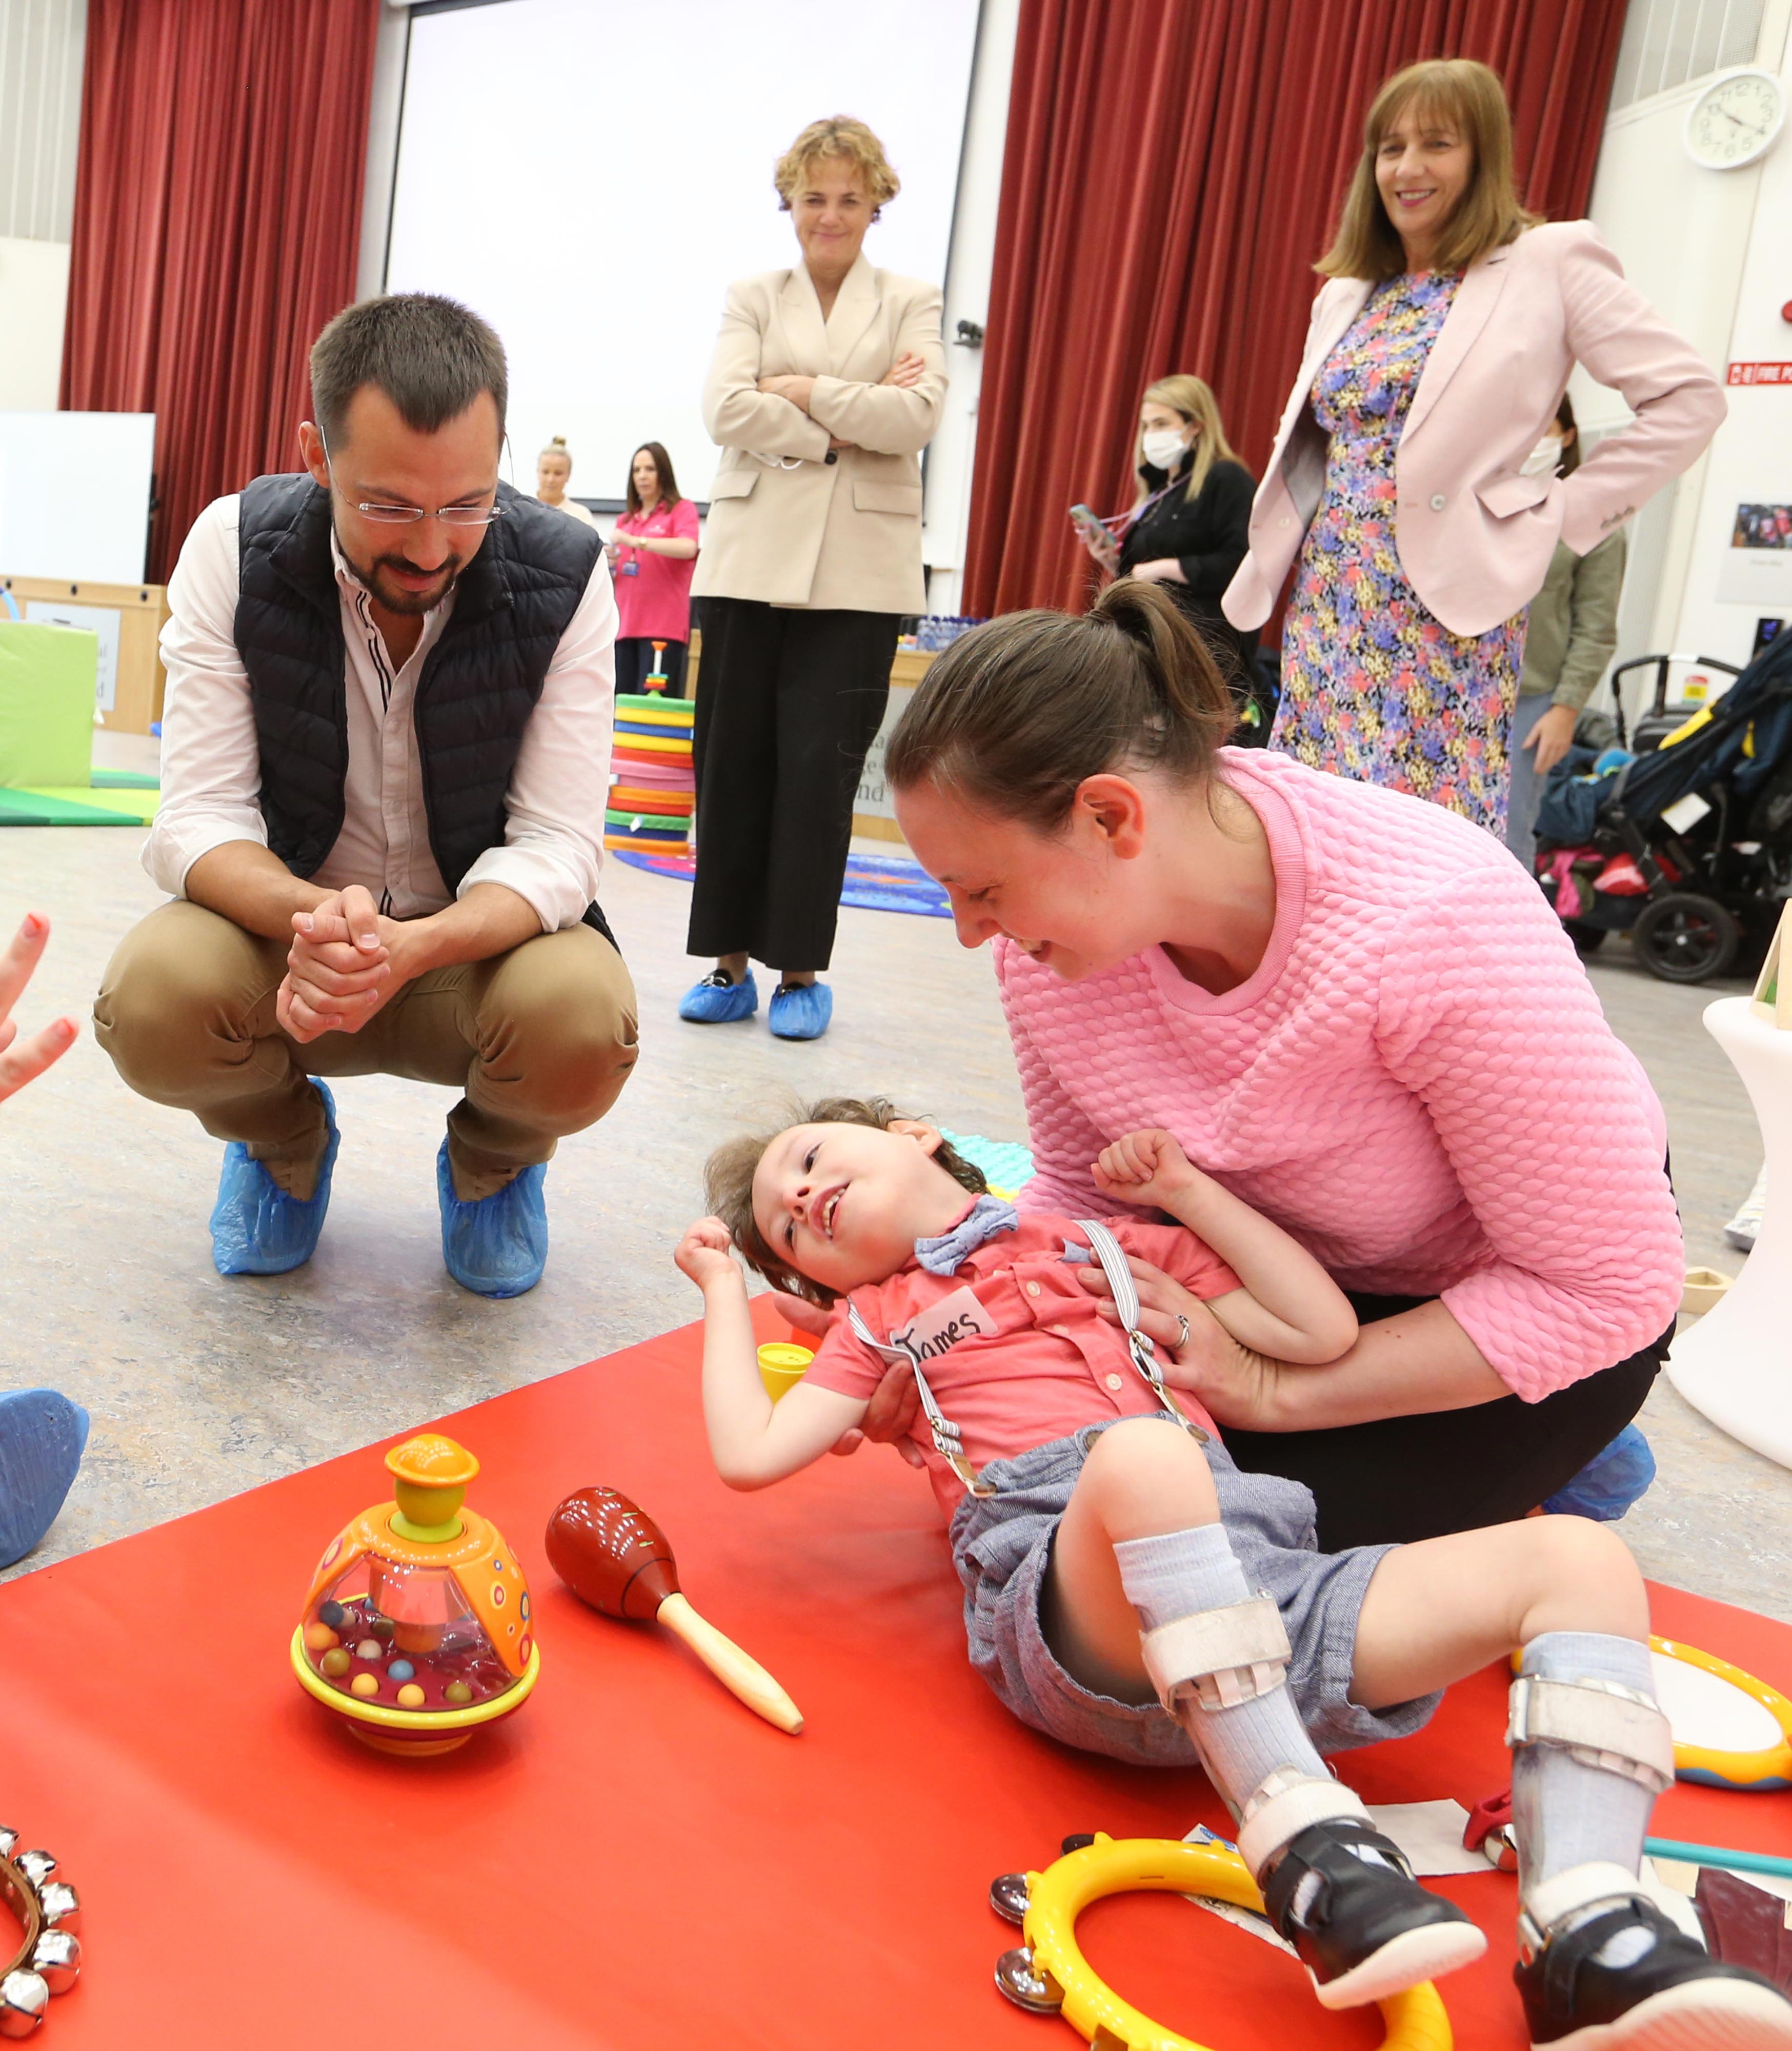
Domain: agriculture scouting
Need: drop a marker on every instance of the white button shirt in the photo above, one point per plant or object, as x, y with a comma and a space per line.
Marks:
211, 762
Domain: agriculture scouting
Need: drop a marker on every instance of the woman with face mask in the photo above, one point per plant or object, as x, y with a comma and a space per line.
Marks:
1398, 492
1189, 529
1572, 631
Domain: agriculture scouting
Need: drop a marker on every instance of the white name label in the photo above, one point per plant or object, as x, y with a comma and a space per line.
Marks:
935, 1331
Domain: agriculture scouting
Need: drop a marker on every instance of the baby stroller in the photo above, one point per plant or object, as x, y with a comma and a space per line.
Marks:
1688, 847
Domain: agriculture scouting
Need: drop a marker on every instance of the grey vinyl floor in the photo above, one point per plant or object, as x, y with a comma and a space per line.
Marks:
200, 1387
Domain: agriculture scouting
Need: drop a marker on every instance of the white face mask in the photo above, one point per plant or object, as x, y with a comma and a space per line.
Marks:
1543, 459
1163, 448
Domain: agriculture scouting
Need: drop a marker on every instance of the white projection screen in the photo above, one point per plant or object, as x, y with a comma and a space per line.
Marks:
590, 175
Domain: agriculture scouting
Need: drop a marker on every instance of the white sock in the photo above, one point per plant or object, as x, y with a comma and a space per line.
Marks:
1180, 1574
1565, 1812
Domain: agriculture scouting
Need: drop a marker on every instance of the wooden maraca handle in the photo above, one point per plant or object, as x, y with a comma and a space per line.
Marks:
732, 1666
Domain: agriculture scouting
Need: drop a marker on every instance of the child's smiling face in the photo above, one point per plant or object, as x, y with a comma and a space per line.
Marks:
844, 1204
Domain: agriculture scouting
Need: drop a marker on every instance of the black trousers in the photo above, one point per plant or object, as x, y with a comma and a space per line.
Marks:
634, 658
791, 701
1401, 1478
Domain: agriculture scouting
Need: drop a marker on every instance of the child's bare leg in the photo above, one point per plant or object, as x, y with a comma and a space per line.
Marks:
1591, 1751
1142, 1479
1140, 1544
1443, 1609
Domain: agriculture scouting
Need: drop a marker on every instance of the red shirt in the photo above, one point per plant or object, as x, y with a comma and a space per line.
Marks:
1012, 1344
655, 604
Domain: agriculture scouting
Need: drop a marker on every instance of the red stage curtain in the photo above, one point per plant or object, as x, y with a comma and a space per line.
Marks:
218, 217
1174, 168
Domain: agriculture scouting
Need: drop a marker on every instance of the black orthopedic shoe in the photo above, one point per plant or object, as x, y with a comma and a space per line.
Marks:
1345, 1897
1625, 1977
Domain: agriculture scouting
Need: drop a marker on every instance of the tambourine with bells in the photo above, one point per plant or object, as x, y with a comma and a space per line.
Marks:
1048, 1974
49, 1959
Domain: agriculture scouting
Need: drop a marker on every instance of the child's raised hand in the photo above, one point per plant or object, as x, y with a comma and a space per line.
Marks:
704, 1253
1144, 1167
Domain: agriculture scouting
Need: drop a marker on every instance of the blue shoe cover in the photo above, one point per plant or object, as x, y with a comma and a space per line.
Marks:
256, 1227
801, 1010
498, 1246
42, 1437
717, 1002
1610, 1483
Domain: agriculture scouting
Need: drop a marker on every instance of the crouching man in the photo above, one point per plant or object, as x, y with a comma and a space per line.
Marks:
384, 756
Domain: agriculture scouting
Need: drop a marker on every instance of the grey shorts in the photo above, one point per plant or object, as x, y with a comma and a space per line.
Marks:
1001, 1546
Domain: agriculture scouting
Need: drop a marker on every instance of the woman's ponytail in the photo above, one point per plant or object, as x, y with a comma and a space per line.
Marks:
1018, 713
1178, 662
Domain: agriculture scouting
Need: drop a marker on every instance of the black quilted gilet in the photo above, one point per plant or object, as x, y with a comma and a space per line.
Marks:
479, 683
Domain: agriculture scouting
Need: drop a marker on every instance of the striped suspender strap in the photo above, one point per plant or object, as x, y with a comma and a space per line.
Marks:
1107, 1249
948, 1441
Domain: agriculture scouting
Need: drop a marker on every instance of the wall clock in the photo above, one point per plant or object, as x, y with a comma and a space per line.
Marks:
1734, 119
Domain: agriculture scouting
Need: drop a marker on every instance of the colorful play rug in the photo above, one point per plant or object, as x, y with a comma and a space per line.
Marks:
115, 798
874, 882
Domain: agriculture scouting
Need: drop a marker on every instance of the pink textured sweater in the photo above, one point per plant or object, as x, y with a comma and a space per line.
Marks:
1418, 1082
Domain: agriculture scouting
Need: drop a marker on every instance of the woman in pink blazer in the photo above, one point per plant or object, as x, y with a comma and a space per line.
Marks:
1401, 484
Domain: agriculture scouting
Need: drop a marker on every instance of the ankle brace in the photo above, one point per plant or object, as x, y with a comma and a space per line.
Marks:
1224, 1657
1600, 1724
1288, 1803
1553, 1906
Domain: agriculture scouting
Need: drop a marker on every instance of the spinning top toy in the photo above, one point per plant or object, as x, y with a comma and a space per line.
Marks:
417, 1626
615, 1557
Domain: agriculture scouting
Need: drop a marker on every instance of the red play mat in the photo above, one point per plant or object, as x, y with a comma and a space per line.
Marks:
635, 1860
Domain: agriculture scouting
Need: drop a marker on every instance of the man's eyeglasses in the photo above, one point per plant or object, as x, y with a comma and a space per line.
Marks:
404, 516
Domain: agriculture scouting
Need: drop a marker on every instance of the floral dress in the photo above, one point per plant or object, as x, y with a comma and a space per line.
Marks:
1373, 686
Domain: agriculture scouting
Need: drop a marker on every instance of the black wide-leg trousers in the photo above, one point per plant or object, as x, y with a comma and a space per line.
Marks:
788, 703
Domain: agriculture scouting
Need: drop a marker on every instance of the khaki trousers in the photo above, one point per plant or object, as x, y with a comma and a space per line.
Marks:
541, 1040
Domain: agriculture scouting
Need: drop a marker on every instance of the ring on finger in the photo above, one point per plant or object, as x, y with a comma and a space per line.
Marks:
1181, 1331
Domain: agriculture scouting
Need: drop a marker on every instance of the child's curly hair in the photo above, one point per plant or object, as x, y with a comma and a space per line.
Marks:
727, 1182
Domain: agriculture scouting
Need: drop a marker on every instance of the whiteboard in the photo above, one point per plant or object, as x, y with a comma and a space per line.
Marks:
75, 495
524, 121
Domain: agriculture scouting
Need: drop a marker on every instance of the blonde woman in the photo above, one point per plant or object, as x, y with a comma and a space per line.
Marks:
1189, 529
1436, 355
553, 472
827, 384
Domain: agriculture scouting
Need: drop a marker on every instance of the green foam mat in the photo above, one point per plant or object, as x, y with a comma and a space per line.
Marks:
80, 805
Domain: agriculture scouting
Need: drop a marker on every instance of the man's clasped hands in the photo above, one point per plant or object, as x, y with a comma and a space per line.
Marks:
346, 960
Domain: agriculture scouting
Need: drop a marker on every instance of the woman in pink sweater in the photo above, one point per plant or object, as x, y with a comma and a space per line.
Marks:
1333, 995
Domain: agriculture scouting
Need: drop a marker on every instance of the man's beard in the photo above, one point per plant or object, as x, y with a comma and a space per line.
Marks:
395, 598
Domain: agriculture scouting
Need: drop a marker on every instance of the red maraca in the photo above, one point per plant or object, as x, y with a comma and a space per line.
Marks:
615, 1557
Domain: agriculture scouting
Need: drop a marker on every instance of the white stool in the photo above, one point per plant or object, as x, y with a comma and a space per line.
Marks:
1735, 1363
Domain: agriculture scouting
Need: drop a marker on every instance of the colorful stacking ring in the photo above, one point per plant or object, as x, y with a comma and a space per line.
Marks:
627, 797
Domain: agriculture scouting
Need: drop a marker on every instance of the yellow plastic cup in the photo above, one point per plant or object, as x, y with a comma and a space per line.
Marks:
782, 1367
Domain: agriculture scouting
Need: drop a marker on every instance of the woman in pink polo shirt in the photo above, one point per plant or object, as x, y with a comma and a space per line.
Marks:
653, 555
1331, 993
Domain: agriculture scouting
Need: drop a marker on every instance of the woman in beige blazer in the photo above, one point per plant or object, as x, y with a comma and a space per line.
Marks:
1437, 353
827, 384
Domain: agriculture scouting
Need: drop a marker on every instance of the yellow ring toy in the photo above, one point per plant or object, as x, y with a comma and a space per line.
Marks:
1415, 2020
1770, 1767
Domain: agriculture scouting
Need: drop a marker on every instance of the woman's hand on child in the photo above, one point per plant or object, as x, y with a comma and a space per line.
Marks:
1236, 1386
894, 1411
1146, 1167
705, 1253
